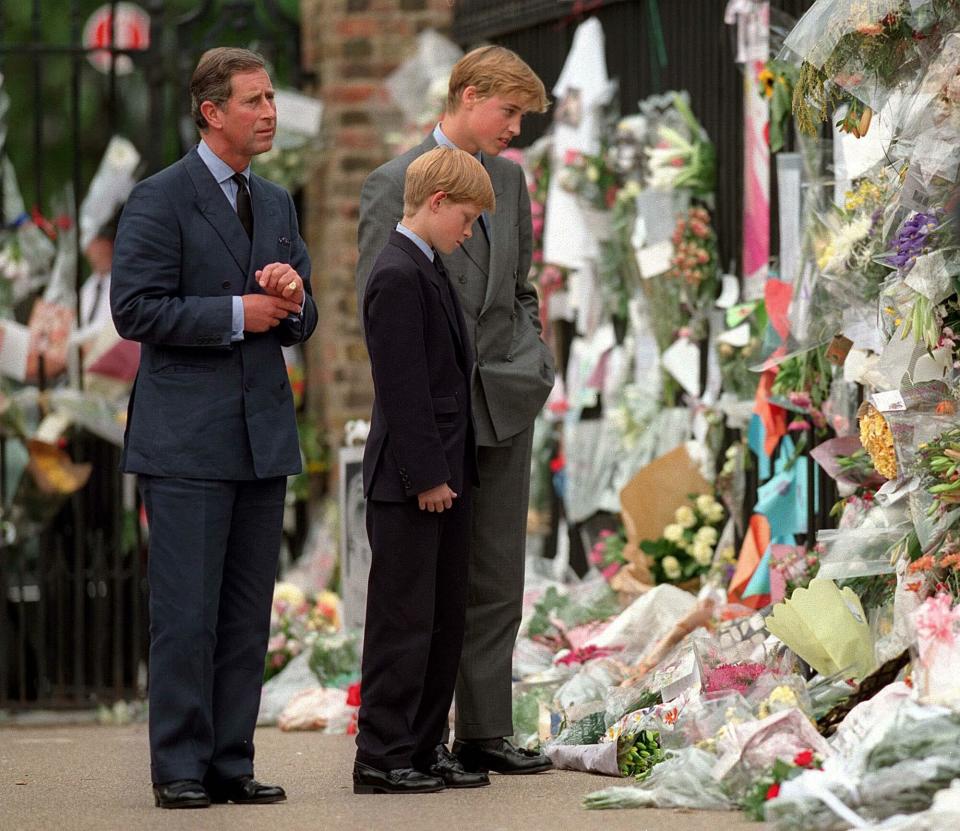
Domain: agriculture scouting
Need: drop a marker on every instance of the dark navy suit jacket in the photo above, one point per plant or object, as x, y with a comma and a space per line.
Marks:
421, 433
202, 406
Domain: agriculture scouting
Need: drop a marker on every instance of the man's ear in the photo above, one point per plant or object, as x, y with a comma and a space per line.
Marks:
211, 112
469, 97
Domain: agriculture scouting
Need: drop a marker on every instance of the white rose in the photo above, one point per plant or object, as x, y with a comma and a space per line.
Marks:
707, 535
685, 516
673, 532
593, 174
671, 567
703, 553
715, 514
705, 503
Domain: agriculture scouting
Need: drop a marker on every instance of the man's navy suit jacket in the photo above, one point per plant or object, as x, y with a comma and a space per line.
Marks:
202, 406
421, 432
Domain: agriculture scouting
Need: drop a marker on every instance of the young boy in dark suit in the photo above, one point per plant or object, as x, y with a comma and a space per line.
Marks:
419, 467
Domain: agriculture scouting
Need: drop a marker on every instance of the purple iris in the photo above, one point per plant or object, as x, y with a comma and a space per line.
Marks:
911, 242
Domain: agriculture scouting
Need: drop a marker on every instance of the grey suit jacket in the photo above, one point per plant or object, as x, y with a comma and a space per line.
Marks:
514, 366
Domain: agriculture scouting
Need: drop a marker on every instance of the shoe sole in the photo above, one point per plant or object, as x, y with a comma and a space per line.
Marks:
368, 789
267, 801
477, 785
522, 772
196, 803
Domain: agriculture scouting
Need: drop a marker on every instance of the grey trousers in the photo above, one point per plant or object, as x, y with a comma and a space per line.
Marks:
484, 706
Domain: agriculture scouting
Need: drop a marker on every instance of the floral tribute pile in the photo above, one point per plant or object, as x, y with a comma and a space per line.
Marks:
773, 625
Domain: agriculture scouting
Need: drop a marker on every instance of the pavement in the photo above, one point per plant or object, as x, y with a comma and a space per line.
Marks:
73, 778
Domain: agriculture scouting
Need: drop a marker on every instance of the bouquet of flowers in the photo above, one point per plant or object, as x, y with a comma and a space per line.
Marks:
775, 83
767, 787
607, 552
637, 753
592, 178
802, 385
683, 156
694, 262
296, 621
877, 439
685, 551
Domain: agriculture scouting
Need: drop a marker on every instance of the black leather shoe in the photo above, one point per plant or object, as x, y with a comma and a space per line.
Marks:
447, 767
400, 780
245, 790
499, 756
181, 793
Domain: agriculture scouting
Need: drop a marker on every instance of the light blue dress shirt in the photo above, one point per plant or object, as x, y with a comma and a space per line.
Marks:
441, 139
417, 240
223, 173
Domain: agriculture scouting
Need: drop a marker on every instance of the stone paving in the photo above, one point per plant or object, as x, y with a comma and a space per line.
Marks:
61, 778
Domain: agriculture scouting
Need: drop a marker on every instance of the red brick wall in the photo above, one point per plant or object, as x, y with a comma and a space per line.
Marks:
352, 45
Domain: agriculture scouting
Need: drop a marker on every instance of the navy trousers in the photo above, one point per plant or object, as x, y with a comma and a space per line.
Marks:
416, 606
214, 547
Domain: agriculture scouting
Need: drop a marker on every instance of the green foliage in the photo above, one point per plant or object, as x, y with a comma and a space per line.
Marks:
637, 753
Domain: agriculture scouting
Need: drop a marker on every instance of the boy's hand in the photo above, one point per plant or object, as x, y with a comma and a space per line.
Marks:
436, 499
281, 280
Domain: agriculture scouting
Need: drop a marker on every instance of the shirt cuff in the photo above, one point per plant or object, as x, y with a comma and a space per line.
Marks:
237, 320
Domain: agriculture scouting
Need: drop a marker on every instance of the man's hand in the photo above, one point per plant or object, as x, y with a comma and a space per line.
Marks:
261, 312
436, 499
281, 280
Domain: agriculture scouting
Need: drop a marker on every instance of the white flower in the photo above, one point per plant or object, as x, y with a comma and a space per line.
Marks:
671, 567
673, 532
845, 239
684, 516
715, 514
705, 503
707, 534
702, 553
593, 174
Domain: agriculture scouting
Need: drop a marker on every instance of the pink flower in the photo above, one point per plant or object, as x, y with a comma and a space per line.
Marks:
799, 399
538, 256
596, 557
610, 570
514, 154
278, 660
798, 424
537, 226
573, 157
606, 532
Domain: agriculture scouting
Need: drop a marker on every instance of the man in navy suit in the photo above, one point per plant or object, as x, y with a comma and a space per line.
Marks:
211, 276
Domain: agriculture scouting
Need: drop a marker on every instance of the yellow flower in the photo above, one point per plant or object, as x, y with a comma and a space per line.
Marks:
288, 593
673, 532
685, 517
766, 79
877, 440
671, 567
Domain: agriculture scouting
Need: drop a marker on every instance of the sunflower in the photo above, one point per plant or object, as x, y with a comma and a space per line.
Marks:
766, 79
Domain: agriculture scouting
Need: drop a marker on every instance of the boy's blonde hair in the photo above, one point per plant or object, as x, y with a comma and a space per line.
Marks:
455, 172
495, 70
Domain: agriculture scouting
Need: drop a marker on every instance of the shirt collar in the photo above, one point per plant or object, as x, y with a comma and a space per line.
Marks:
417, 240
218, 167
441, 139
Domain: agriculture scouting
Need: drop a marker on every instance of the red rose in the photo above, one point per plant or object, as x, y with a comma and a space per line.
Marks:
803, 759
773, 791
353, 695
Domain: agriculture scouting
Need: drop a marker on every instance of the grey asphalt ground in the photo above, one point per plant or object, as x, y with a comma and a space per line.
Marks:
94, 777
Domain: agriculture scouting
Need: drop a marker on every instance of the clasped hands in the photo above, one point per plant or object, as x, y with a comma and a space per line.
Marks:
283, 296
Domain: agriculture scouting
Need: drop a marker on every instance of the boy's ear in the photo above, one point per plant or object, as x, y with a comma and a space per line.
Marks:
437, 199
469, 96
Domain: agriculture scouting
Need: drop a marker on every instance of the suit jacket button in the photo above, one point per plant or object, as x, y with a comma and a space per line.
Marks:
481, 362
225, 284
513, 315
462, 279
248, 386
509, 357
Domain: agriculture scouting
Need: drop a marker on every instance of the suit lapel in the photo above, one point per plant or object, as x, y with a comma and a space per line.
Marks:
213, 204
434, 276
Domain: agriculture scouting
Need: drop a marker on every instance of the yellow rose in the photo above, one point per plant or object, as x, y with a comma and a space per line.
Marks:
685, 516
673, 532
671, 567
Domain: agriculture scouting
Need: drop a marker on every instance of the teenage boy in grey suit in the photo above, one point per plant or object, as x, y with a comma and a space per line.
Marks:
211, 276
490, 90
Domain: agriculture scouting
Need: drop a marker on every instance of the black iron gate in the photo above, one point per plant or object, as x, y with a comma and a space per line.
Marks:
73, 599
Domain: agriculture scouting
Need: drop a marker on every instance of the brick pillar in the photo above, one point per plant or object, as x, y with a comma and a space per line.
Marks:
352, 45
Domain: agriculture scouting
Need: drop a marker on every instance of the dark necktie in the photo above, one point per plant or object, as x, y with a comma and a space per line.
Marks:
244, 208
